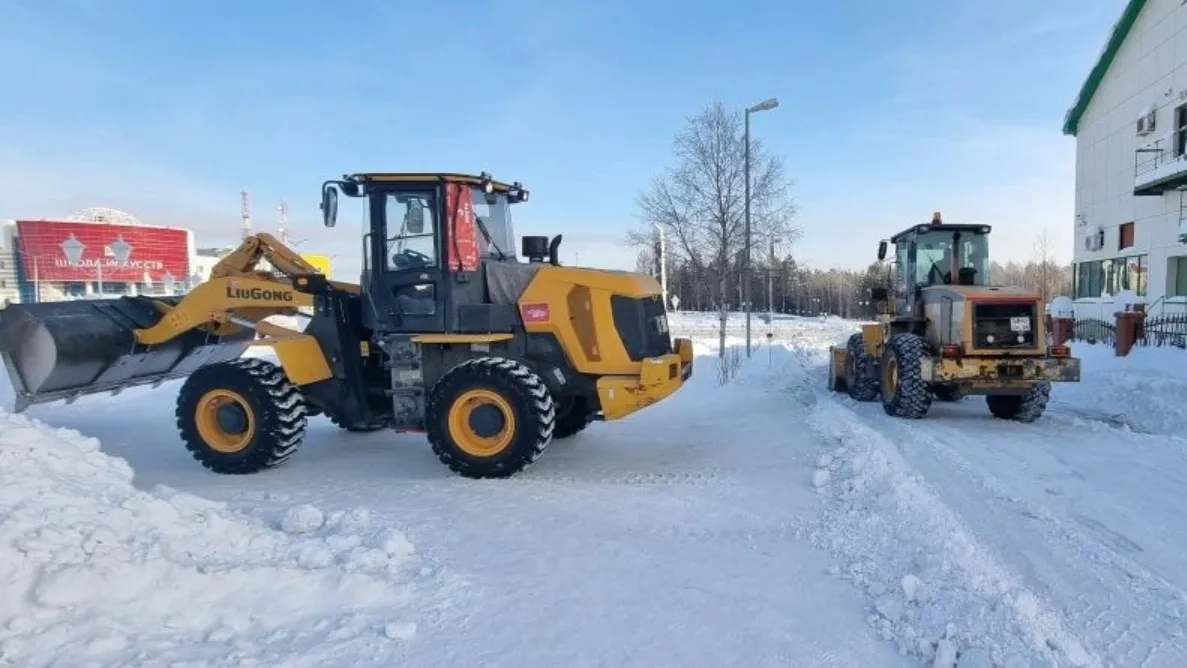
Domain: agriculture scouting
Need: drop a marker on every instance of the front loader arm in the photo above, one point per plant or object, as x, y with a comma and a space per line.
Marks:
245, 260
225, 304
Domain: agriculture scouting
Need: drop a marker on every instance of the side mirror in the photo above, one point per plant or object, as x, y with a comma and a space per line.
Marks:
882, 250
879, 294
329, 205
414, 220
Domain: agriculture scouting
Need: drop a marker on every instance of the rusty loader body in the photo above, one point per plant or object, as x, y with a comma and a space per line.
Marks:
945, 332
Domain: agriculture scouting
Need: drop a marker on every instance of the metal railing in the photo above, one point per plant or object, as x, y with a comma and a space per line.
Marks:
1094, 330
1167, 329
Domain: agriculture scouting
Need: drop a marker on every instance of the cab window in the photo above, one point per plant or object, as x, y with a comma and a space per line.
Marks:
411, 231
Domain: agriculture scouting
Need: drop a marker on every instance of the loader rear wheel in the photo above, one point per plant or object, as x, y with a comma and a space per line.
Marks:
241, 416
572, 417
904, 393
1021, 407
861, 370
489, 417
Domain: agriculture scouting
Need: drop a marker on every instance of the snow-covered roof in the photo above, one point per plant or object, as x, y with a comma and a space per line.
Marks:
1071, 121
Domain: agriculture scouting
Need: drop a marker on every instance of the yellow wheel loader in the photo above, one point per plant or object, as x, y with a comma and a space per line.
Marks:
946, 332
447, 333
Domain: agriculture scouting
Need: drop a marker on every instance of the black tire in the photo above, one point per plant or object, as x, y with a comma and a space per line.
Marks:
861, 371
904, 393
255, 390
572, 417
360, 428
523, 393
947, 393
1021, 407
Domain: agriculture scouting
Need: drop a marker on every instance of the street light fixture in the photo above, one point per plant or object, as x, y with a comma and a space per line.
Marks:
765, 105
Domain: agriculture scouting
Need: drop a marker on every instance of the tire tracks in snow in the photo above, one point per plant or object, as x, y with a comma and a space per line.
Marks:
1131, 618
1110, 611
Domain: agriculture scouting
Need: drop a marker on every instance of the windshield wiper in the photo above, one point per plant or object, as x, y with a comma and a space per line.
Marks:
489, 240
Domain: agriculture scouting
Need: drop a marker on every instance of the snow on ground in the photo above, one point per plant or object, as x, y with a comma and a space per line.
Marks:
1145, 391
670, 538
1054, 543
96, 572
763, 522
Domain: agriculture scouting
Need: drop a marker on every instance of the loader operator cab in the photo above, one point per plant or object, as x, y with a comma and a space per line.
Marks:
424, 245
937, 253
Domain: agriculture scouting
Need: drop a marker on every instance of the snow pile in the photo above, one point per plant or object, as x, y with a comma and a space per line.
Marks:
96, 572
936, 591
1145, 391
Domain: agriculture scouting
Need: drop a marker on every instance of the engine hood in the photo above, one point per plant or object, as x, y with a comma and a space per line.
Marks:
980, 293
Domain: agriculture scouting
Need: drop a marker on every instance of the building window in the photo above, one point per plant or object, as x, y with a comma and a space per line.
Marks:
1090, 279
1125, 236
1108, 277
1180, 130
1127, 273
1177, 276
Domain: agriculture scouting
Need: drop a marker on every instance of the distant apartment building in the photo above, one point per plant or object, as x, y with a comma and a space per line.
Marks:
1130, 125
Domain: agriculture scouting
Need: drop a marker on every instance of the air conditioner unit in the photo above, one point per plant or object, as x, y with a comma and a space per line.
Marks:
1094, 241
1147, 121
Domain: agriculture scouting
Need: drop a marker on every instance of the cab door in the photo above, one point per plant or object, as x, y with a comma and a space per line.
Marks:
407, 284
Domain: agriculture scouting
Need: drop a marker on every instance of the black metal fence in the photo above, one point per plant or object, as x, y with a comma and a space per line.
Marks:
1168, 329
1094, 330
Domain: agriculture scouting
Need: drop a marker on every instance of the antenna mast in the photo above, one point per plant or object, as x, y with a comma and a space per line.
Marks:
283, 221
245, 213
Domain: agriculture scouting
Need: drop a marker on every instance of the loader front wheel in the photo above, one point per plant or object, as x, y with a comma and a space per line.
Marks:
904, 393
489, 417
241, 416
1021, 407
861, 370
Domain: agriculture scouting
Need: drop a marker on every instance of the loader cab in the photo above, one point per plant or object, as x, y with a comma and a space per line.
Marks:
424, 243
937, 254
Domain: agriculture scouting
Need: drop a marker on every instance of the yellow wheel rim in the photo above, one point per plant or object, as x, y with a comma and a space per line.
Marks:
217, 433
477, 405
890, 376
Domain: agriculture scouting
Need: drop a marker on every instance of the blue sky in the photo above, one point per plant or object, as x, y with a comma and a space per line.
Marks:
888, 110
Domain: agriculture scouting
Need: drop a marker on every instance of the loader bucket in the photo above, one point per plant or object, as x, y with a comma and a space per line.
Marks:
63, 350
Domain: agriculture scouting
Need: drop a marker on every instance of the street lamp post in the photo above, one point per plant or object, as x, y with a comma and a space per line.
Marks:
663, 264
765, 105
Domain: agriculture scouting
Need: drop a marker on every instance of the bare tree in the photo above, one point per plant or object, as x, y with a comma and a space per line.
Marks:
1047, 273
699, 202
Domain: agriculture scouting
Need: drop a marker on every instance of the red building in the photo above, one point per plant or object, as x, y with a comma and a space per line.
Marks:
98, 252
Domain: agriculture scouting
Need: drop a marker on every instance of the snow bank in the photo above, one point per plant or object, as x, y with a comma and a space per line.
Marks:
935, 590
96, 572
1146, 391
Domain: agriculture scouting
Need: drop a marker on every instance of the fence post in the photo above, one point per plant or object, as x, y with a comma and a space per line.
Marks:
1129, 329
1062, 315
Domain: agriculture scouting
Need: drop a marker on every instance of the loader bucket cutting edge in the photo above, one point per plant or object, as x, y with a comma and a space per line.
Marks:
64, 350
